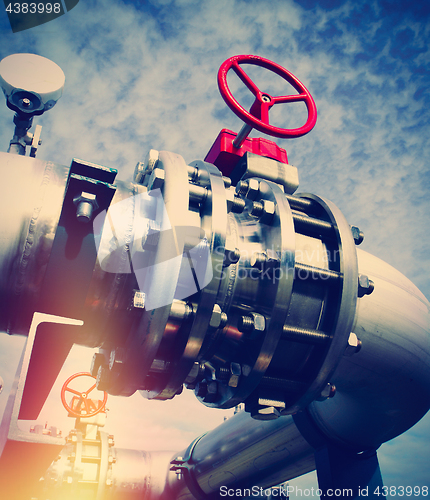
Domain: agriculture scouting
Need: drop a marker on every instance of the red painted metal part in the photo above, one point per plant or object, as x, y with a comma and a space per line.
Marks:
258, 116
81, 399
225, 156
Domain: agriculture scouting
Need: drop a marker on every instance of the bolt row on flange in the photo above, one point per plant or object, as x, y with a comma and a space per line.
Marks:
271, 324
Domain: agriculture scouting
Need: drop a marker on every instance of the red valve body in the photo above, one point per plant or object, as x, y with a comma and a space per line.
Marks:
225, 156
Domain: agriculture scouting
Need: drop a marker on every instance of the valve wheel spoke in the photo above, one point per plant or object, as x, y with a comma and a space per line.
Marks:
243, 75
91, 388
87, 406
69, 389
281, 99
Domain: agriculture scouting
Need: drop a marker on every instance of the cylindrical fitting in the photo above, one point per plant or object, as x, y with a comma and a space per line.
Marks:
84, 212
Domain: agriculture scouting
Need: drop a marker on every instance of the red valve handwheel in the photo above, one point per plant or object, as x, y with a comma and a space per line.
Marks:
258, 116
88, 405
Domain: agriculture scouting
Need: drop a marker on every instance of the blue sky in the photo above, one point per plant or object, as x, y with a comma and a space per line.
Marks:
142, 75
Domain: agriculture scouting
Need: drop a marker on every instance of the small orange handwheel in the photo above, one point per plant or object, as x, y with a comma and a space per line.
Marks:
81, 405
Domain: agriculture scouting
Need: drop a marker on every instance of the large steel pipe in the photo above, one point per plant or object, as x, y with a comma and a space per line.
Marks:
384, 389
241, 453
30, 204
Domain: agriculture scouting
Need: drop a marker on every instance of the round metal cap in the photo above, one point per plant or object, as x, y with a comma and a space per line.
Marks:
32, 73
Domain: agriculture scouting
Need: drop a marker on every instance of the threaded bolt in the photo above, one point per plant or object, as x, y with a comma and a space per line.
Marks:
227, 181
249, 188
254, 324
264, 210
238, 205
231, 257
257, 209
304, 335
246, 324
258, 259
241, 188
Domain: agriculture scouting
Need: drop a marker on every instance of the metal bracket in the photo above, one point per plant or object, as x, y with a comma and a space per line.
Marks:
25, 456
35, 142
74, 254
67, 277
253, 165
184, 465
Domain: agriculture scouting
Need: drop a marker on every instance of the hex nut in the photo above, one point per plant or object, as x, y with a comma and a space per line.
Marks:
267, 409
151, 159
151, 236
327, 392
365, 285
195, 375
235, 373
266, 413
103, 378
269, 209
259, 322
265, 262
156, 179
139, 172
353, 346
253, 189
357, 235
145, 168
86, 197
97, 361
116, 359
263, 210
218, 318
252, 324
231, 256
